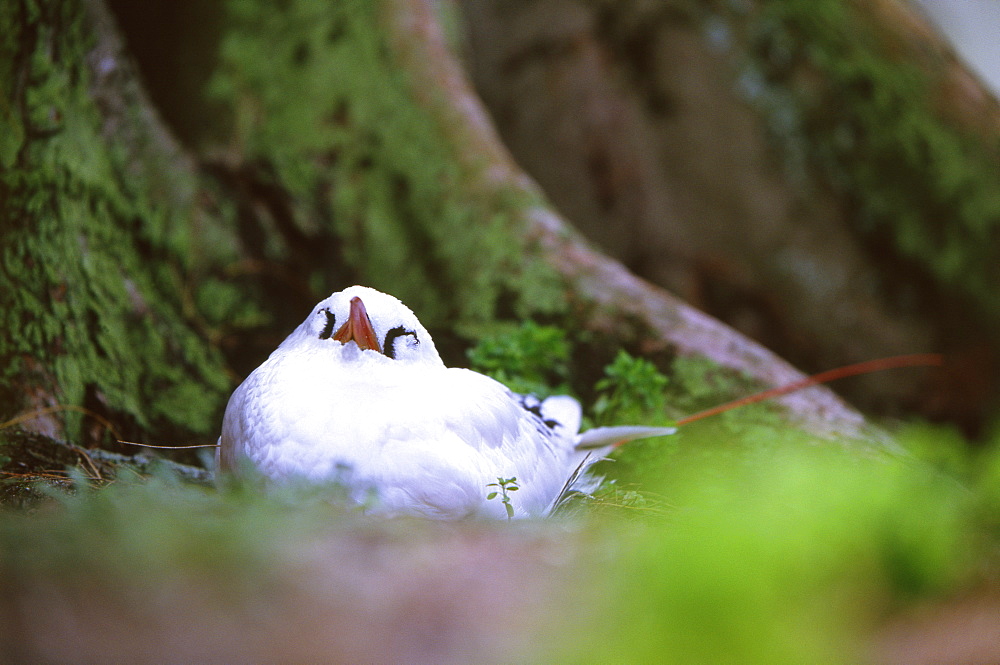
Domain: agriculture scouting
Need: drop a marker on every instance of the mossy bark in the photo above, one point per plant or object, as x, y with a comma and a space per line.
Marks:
139, 283
398, 152
99, 237
822, 174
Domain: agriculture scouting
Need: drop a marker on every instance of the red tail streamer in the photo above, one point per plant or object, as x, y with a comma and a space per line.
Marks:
867, 367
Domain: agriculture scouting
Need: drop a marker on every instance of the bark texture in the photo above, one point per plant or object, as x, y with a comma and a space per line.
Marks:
136, 275
100, 237
820, 175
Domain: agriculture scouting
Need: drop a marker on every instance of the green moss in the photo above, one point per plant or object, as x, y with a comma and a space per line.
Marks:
162, 528
13, 136
851, 103
777, 555
693, 385
756, 552
630, 389
317, 93
90, 290
531, 358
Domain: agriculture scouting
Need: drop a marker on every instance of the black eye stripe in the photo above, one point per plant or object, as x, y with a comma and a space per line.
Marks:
330, 322
390, 338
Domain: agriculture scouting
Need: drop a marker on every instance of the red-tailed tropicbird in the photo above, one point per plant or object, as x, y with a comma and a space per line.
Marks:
358, 394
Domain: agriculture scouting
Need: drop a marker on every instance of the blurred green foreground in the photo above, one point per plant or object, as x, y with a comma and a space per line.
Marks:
761, 547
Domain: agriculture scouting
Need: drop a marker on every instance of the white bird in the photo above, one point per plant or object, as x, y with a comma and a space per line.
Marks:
358, 394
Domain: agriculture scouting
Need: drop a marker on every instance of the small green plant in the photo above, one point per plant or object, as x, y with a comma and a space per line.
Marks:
630, 387
504, 486
531, 359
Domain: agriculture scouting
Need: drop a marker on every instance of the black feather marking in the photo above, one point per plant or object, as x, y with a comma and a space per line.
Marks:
327, 331
390, 338
533, 405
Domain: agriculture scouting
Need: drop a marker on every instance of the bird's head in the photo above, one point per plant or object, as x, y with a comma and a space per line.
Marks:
371, 321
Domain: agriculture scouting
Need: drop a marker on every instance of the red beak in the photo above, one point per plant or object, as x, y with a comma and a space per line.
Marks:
358, 328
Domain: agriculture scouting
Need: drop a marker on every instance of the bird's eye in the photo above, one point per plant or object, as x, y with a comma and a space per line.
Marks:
393, 336
327, 331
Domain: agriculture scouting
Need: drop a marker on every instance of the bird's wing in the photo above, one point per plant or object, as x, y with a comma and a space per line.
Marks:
515, 436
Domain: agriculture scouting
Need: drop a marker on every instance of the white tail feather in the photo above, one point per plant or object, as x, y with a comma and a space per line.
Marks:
599, 437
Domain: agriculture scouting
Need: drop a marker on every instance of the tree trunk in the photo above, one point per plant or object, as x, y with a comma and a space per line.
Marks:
139, 281
823, 175
101, 239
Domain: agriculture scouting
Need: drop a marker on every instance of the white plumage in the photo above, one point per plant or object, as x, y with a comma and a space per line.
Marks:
358, 393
